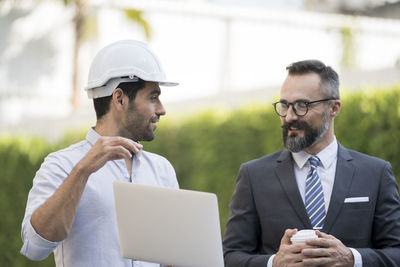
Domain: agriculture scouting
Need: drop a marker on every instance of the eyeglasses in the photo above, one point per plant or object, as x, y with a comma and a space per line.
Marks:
300, 107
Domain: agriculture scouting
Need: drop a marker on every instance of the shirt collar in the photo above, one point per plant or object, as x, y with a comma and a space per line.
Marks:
327, 155
92, 136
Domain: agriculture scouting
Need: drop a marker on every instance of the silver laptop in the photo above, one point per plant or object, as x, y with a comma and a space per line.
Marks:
168, 226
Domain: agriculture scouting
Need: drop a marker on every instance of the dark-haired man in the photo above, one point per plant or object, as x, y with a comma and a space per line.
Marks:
70, 208
350, 199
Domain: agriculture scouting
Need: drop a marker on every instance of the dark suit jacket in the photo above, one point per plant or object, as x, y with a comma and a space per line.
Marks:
266, 201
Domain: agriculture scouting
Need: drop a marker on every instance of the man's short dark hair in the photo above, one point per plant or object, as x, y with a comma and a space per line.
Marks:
102, 104
329, 78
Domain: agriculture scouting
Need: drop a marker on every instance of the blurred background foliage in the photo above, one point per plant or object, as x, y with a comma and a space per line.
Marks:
206, 150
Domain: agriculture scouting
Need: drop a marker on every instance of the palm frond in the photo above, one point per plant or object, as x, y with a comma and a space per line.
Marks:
137, 16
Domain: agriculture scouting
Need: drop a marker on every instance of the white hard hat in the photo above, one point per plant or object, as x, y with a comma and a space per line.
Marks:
123, 61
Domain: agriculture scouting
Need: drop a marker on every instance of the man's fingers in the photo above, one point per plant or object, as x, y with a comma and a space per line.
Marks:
315, 252
121, 141
129, 144
286, 237
119, 152
137, 147
316, 261
319, 242
109, 148
324, 235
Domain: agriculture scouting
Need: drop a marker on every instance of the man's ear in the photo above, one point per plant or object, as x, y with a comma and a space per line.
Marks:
335, 107
119, 99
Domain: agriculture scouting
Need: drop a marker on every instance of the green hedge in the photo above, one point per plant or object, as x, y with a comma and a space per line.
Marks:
206, 150
19, 160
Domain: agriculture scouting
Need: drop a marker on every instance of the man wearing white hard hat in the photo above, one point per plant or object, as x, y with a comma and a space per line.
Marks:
70, 208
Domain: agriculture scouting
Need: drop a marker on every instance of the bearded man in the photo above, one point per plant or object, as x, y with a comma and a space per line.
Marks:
70, 209
350, 199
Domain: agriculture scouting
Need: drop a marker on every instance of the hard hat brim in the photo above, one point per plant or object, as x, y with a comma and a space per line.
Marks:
168, 84
111, 85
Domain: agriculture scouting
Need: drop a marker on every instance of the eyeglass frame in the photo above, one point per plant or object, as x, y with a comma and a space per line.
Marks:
307, 103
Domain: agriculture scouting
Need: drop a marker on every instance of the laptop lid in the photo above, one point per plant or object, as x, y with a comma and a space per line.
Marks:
168, 226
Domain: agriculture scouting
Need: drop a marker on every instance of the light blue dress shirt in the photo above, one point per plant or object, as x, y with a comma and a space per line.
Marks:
93, 239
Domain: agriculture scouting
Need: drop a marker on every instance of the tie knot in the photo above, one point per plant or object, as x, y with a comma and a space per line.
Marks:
314, 161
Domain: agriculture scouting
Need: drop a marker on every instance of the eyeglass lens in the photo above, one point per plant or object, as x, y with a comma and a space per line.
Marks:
299, 108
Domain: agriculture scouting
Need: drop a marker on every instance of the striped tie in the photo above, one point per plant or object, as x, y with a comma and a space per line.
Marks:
314, 200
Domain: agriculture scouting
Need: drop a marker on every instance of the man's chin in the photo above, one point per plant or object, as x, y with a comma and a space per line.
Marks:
149, 137
294, 143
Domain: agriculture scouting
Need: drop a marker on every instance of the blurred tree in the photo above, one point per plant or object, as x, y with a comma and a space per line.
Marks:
349, 51
34, 58
85, 27
78, 21
137, 17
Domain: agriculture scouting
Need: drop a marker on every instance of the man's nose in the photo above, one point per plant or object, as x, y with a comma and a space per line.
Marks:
291, 115
160, 111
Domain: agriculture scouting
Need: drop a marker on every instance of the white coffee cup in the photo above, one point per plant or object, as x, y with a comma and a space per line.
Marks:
303, 235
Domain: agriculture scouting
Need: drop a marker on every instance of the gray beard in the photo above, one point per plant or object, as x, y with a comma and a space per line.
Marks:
311, 136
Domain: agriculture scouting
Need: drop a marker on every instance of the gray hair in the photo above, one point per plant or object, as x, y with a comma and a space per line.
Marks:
329, 78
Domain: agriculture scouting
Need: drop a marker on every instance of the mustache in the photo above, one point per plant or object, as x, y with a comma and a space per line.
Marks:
155, 119
295, 124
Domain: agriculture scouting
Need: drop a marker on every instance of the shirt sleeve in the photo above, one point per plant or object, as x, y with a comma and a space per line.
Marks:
271, 260
35, 247
174, 180
169, 175
47, 180
357, 258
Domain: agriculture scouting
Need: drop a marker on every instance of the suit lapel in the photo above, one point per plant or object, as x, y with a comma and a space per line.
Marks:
285, 174
343, 179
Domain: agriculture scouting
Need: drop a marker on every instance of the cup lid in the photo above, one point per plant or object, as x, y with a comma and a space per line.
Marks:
303, 235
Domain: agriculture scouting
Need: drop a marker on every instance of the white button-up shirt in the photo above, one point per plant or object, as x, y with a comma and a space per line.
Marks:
93, 239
